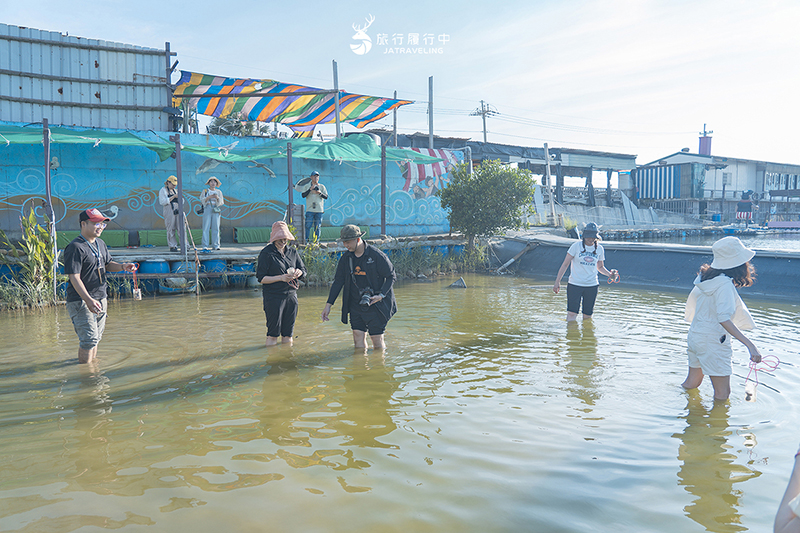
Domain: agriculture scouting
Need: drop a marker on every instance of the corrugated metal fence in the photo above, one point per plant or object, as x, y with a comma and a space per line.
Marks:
81, 82
659, 182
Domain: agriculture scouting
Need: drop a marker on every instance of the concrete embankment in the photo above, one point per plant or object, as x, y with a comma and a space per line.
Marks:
665, 266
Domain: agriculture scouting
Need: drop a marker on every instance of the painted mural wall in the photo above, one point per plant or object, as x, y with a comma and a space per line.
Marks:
124, 182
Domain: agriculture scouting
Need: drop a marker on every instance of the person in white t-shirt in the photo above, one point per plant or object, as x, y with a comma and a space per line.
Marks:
585, 259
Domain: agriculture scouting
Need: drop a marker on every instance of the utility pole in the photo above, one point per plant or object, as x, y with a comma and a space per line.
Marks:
394, 122
336, 98
483, 111
430, 112
551, 217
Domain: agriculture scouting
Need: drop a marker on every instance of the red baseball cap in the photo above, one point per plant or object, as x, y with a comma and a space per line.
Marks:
94, 215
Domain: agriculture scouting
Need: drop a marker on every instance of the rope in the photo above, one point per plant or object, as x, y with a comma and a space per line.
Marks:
196, 257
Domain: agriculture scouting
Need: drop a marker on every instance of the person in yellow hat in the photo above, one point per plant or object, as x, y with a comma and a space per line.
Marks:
212, 201
168, 198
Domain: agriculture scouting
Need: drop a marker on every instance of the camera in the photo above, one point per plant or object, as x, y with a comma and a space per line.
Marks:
366, 295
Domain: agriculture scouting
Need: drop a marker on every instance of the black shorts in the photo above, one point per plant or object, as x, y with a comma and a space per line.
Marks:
574, 295
371, 320
281, 313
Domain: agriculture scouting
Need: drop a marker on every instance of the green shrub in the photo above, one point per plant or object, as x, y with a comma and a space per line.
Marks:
33, 285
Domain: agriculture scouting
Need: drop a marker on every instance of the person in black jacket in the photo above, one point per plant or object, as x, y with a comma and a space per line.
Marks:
367, 277
279, 269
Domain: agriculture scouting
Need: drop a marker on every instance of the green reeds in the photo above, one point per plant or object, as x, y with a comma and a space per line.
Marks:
409, 260
31, 266
320, 264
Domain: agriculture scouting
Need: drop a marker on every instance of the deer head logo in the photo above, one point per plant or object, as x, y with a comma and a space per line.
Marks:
365, 43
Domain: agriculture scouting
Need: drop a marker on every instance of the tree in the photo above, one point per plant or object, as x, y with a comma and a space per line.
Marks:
237, 126
491, 199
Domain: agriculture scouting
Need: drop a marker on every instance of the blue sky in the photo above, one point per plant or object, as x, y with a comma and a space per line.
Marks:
634, 77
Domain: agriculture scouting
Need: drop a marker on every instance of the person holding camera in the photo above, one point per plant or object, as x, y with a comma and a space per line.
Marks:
278, 270
315, 194
168, 198
367, 276
211, 199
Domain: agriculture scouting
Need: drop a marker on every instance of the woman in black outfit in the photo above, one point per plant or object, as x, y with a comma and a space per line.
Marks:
279, 269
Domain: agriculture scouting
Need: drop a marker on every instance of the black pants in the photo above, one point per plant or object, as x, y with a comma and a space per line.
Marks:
281, 311
574, 295
370, 319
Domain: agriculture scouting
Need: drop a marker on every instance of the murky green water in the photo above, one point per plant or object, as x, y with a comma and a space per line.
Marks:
485, 414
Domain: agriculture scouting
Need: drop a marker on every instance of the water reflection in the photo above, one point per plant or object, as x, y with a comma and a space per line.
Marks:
582, 352
88, 450
367, 401
708, 471
349, 406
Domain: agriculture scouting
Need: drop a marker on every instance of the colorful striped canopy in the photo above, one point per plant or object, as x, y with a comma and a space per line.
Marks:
298, 107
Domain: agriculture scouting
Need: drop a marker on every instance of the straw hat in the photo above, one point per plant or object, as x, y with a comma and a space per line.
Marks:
280, 231
173, 180
215, 179
729, 252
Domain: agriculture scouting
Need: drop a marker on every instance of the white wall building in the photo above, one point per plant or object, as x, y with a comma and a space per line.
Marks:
734, 175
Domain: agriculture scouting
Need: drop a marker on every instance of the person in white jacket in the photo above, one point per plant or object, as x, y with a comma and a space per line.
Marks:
717, 313
212, 201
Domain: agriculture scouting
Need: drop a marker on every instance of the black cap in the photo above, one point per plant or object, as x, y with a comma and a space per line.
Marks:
590, 230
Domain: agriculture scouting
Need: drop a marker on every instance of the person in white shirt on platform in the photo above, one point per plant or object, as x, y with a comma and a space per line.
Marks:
212, 200
315, 194
585, 259
168, 199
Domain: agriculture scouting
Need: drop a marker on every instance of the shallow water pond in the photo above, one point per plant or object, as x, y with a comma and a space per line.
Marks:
486, 413
785, 242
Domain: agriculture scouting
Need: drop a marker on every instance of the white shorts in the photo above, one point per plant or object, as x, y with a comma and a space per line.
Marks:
707, 353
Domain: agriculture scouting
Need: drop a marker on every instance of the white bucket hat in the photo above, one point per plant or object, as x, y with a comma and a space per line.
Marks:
729, 252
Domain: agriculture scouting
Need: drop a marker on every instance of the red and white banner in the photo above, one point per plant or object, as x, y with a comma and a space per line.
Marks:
424, 180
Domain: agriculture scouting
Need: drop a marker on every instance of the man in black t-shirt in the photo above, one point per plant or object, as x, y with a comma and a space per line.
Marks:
367, 276
86, 261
